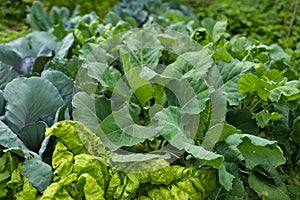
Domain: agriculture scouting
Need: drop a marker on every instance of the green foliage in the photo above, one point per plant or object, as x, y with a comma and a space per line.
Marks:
222, 109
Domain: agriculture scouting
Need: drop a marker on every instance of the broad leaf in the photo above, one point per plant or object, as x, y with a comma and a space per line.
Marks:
63, 84
231, 73
85, 110
256, 150
38, 173
286, 90
28, 100
170, 126
143, 48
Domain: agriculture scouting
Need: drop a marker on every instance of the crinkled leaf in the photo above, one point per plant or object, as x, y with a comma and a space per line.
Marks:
68, 133
90, 188
29, 99
256, 150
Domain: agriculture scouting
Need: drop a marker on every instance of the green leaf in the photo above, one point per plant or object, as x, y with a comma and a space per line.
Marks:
90, 188
8, 139
64, 46
63, 84
7, 74
119, 129
92, 53
286, 90
216, 29
85, 110
262, 187
143, 50
28, 191
263, 118
231, 73
33, 135
68, 132
251, 83
38, 173
170, 127
29, 99
256, 150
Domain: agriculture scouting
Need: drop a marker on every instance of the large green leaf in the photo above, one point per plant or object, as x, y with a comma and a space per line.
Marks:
63, 84
143, 48
85, 110
7, 74
29, 99
256, 150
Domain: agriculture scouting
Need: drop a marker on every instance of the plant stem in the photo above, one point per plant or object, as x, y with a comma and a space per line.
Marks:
292, 20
